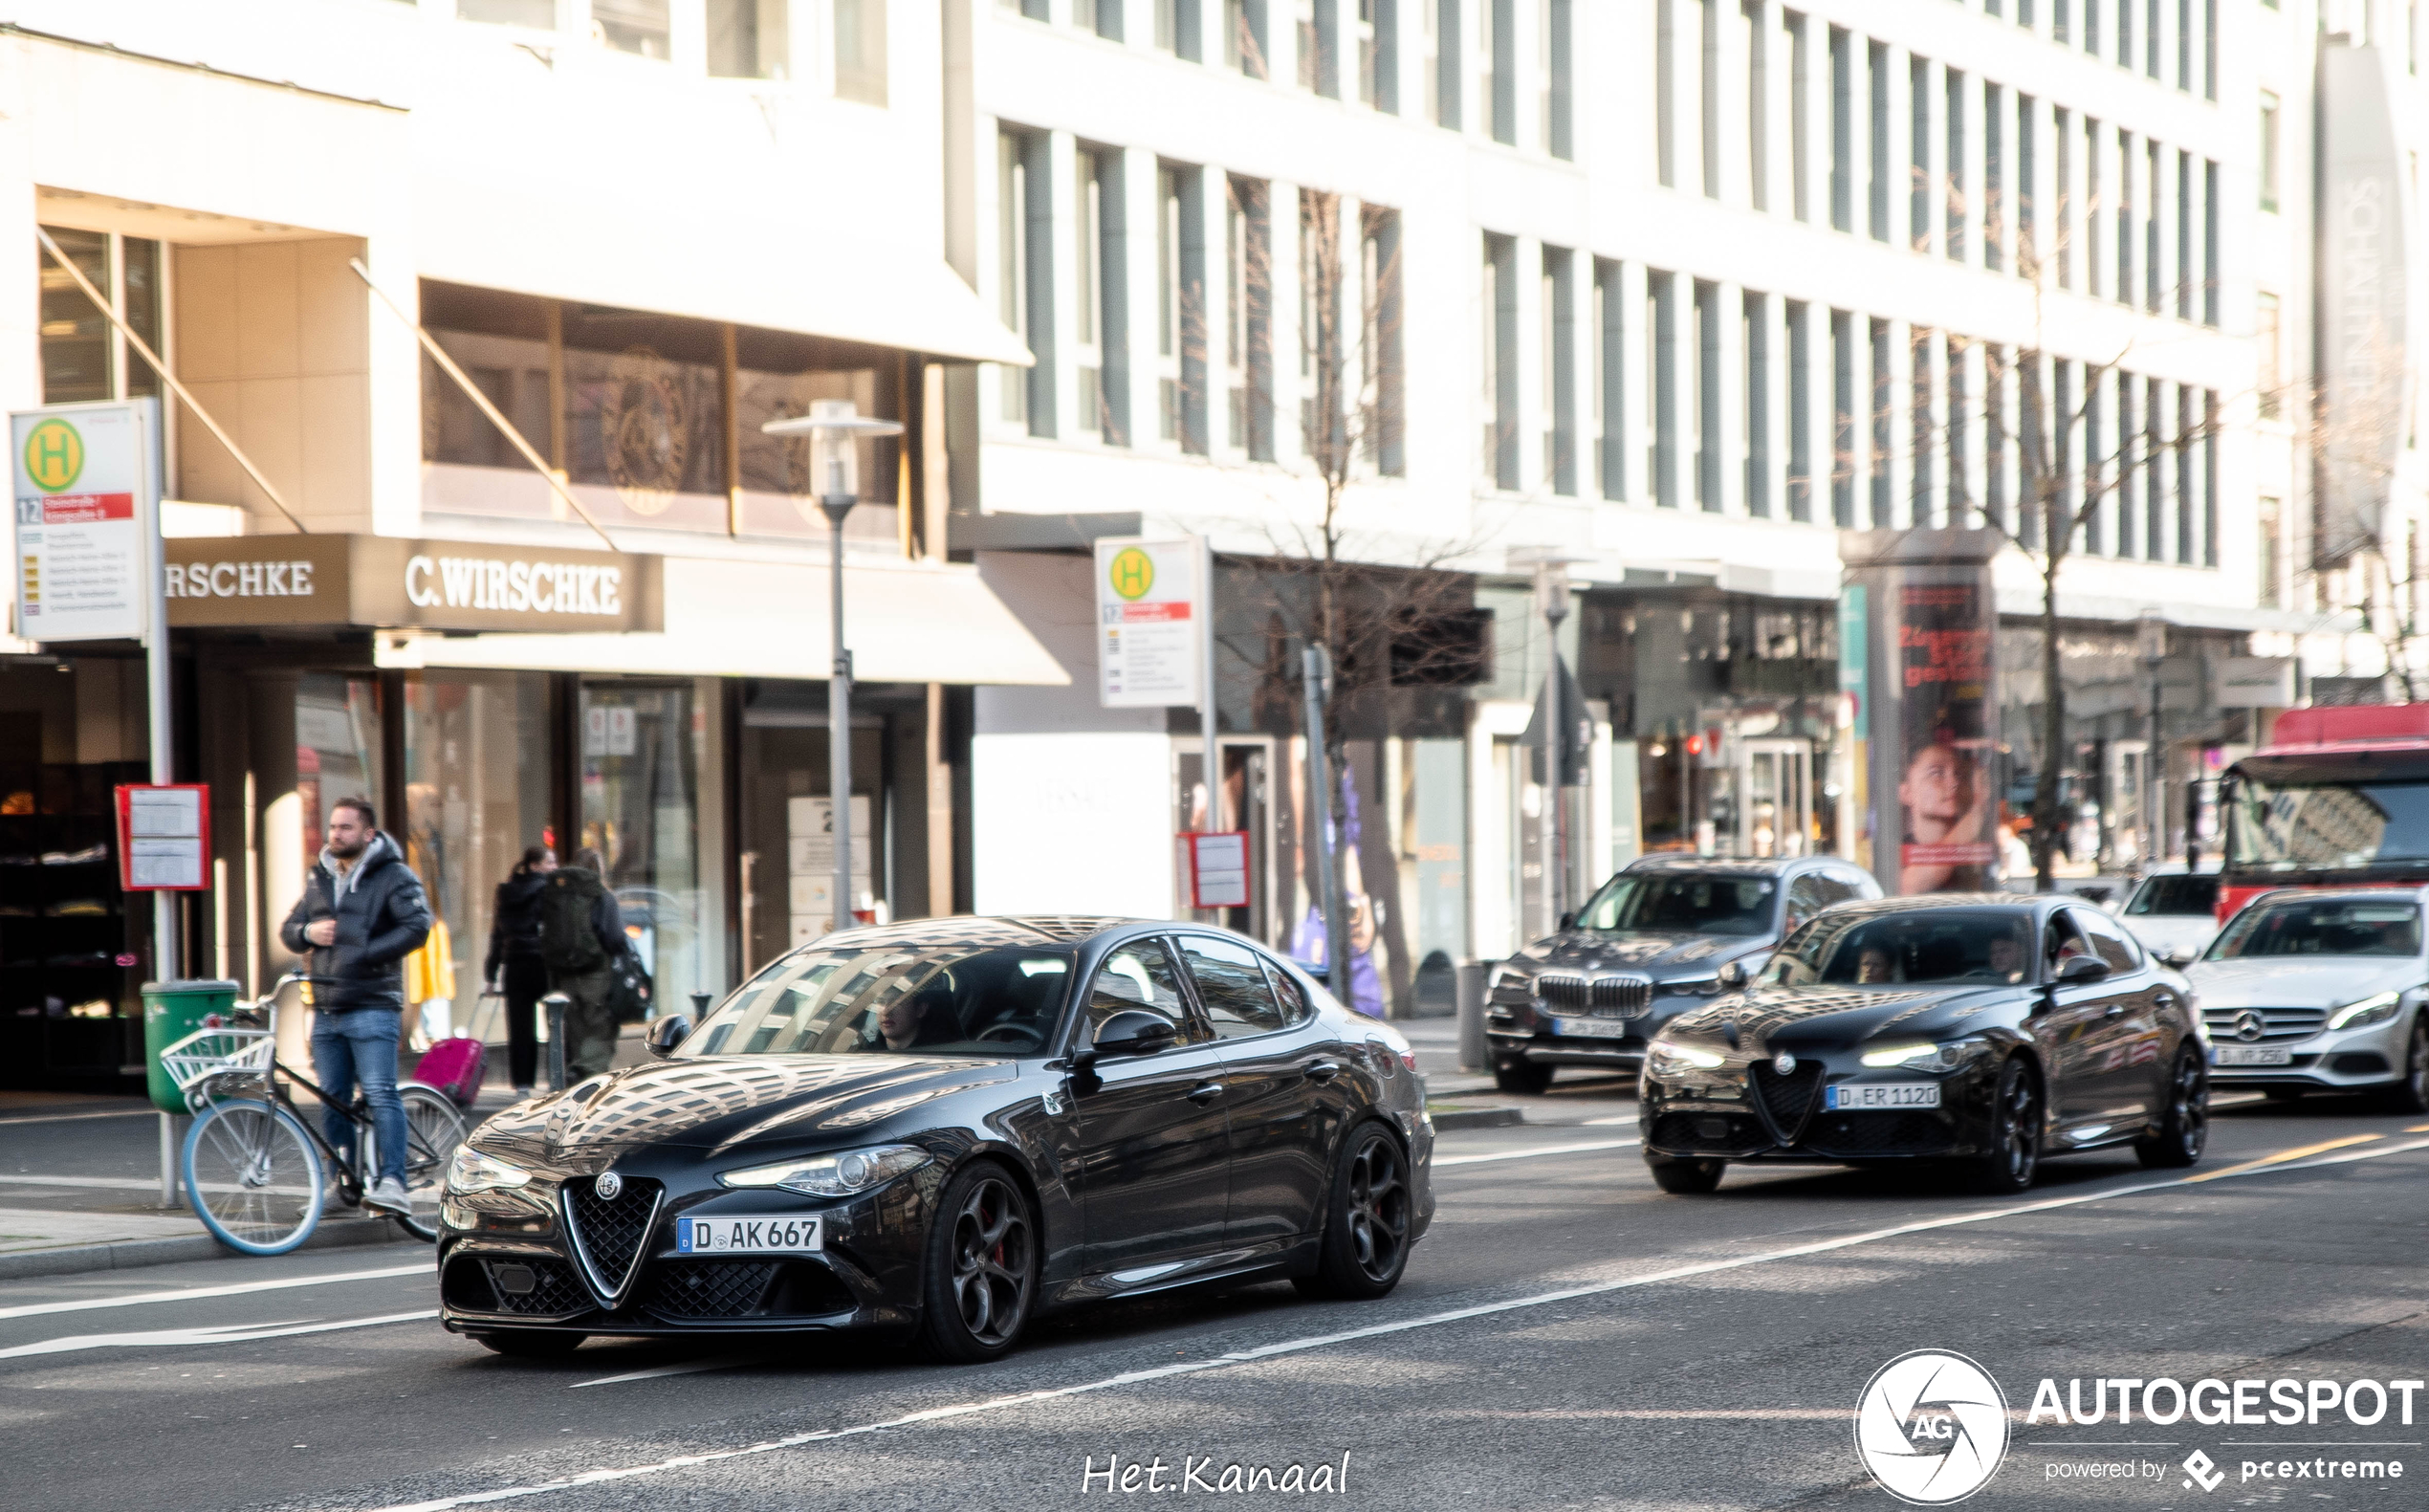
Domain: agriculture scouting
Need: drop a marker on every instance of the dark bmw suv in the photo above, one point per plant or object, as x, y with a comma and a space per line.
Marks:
1646, 948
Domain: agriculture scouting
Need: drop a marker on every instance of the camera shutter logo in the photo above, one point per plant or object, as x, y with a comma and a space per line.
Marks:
1932, 1427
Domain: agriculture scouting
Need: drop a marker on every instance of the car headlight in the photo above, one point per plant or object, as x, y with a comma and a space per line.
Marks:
1919, 1057
471, 1170
2368, 1011
839, 1174
1670, 1058
1703, 985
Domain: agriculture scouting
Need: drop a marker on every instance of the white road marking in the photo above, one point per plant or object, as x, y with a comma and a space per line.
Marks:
194, 1293
689, 1368
133, 1184
997, 1404
225, 1334
1439, 1161
71, 1118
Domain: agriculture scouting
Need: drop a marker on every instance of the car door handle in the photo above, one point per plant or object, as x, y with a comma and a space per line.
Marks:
1203, 1095
2115, 1010
1321, 1070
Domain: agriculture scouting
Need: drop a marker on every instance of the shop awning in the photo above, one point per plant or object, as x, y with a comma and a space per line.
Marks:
907, 623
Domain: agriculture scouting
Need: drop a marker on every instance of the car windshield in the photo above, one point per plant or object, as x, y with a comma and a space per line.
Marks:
1691, 903
2326, 826
905, 997
2320, 926
1939, 944
2169, 897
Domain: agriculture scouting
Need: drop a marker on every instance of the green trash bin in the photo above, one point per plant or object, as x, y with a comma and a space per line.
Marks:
172, 1011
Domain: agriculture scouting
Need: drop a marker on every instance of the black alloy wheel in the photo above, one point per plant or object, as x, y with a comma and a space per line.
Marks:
1366, 1223
2411, 1094
529, 1343
2184, 1123
2014, 1157
1686, 1178
982, 1266
1523, 1077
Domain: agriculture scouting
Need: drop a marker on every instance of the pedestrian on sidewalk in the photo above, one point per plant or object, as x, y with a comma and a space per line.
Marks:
361, 913
515, 968
582, 941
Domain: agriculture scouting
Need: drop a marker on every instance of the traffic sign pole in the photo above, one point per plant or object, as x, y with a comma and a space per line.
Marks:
168, 953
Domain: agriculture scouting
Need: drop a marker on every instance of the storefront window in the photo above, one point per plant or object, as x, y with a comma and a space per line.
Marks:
788, 869
77, 340
642, 757
643, 409
338, 752
476, 794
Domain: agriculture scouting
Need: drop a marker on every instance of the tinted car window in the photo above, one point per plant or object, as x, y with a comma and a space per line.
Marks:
1808, 895
893, 999
1295, 1007
2322, 927
1231, 987
1707, 903
1866, 949
2109, 942
1140, 976
2062, 940
2171, 898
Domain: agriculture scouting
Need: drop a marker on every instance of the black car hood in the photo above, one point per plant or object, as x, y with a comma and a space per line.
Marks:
723, 1102
1657, 953
1833, 1018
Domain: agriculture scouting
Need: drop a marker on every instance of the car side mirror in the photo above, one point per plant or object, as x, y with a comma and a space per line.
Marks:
2082, 969
2179, 957
665, 1034
1733, 975
1568, 921
1134, 1031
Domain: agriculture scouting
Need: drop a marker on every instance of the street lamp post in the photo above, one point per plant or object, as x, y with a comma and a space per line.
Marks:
836, 429
2152, 630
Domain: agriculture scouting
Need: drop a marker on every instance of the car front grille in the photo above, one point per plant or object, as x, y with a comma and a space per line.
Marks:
2277, 1024
1907, 1133
610, 1232
1719, 1133
713, 1289
1610, 996
537, 1286
1788, 1099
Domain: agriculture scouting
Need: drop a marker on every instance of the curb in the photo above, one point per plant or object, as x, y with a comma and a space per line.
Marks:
130, 1254
1478, 1118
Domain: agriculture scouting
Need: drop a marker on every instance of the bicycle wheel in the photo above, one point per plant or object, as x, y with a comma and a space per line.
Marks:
253, 1176
432, 1129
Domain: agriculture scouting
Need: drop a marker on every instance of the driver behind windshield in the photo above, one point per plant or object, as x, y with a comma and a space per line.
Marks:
1954, 947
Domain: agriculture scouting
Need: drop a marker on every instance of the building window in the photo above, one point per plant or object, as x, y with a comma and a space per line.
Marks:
1842, 131
2272, 553
2269, 114
1661, 387
1754, 335
1554, 28
540, 16
1611, 388
860, 51
1919, 181
638, 27
1666, 92
2062, 131
2023, 196
1315, 52
2209, 243
1383, 426
1442, 61
1708, 96
1560, 371
84, 360
1755, 41
2269, 336
2091, 207
1501, 63
1923, 504
1087, 291
1012, 266
1168, 303
1792, 30
1842, 418
1877, 72
2185, 239
1799, 318
747, 38
1244, 36
1952, 171
1884, 407
1994, 178
1704, 386
1500, 455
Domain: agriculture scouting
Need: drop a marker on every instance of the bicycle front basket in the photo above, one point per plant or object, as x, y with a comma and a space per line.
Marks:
208, 1053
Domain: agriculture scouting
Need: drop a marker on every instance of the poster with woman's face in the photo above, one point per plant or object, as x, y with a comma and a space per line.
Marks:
1945, 802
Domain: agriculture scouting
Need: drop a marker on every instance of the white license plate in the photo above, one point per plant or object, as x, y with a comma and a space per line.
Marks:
1859, 1095
774, 1235
2254, 1054
1591, 1028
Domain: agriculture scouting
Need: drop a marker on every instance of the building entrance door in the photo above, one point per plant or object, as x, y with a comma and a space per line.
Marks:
1775, 781
1247, 764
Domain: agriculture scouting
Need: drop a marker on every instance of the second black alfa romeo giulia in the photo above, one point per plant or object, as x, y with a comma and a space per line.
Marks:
1988, 1029
941, 1129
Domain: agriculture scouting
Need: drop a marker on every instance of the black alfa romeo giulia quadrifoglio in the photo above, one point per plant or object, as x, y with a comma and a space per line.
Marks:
943, 1129
1990, 1030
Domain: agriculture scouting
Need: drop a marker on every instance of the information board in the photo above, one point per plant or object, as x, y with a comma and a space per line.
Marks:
1150, 611
163, 837
82, 487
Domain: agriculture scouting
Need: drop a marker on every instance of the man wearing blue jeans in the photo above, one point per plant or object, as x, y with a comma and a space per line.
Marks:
362, 911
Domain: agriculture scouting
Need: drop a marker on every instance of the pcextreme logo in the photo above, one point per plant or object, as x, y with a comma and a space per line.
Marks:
1932, 1427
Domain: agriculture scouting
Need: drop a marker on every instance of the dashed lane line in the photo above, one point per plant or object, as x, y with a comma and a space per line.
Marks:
198, 1293
1440, 1161
1249, 1356
225, 1334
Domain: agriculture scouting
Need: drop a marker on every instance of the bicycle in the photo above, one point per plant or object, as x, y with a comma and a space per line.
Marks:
257, 1172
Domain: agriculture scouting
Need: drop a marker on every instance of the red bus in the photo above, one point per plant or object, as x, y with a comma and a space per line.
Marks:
2338, 798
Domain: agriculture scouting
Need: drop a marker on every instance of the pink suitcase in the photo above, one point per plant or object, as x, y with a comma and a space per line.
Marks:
456, 1066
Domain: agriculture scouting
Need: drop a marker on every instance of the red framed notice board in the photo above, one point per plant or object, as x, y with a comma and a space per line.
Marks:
163, 837
1214, 869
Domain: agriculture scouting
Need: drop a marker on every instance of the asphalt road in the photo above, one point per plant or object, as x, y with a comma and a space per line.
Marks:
1567, 1337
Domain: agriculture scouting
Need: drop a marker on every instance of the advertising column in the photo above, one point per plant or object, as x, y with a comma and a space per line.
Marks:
1927, 723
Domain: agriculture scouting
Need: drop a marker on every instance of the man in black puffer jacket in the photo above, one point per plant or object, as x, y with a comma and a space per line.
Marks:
362, 911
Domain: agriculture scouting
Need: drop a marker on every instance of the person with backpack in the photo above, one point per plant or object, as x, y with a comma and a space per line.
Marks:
582, 939
515, 968
361, 913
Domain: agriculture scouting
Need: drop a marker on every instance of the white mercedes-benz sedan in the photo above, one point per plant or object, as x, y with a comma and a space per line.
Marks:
2321, 991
